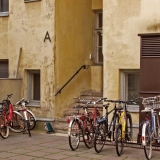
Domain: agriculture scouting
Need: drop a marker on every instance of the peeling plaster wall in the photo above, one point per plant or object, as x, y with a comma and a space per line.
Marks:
122, 22
74, 43
26, 27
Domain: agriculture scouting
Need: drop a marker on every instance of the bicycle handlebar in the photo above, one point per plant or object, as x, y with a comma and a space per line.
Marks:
9, 96
21, 101
121, 101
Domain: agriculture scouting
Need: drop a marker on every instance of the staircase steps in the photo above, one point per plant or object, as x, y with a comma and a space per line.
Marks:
61, 125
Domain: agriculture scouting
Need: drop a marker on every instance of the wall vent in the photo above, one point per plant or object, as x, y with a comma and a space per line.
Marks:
150, 46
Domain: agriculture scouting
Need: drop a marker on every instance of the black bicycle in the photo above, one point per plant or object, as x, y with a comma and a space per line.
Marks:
105, 130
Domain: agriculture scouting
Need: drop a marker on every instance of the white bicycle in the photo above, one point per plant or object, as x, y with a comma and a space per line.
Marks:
29, 117
150, 126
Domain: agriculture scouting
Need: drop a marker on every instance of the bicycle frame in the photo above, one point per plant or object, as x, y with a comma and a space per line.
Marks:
152, 124
108, 126
75, 118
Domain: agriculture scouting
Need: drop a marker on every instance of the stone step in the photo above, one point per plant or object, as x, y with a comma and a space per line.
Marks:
61, 124
91, 93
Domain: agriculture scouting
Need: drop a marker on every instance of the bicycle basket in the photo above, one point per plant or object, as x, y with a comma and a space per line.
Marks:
6, 105
151, 102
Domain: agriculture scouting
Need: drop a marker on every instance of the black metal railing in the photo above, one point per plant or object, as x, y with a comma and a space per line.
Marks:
82, 67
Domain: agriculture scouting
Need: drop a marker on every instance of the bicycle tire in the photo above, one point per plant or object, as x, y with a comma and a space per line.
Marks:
119, 140
100, 137
74, 134
148, 146
4, 129
88, 132
17, 122
32, 120
28, 127
115, 123
129, 128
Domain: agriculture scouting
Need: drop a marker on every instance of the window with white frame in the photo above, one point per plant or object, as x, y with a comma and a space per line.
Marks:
33, 85
98, 56
130, 84
4, 7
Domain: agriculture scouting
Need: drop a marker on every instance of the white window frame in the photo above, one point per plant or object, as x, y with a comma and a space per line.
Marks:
31, 1
97, 32
4, 13
131, 108
30, 76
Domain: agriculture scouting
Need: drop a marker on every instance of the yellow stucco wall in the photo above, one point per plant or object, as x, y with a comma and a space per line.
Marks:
74, 44
122, 22
70, 25
14, 88
26, 27
97, 4
97, 78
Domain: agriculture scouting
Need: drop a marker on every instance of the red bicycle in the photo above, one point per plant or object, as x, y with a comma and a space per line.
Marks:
9, 119
83, 126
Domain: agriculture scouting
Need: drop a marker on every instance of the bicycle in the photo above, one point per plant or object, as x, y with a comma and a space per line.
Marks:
150, 125
75, 129
9, 119
105, 130
124, 131
29, 117
82, 126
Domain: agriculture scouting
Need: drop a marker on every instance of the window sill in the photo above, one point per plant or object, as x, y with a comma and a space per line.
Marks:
4, 14
45, 119
35, 104
133, 108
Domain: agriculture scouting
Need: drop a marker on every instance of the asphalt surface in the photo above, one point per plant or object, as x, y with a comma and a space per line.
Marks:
43, 146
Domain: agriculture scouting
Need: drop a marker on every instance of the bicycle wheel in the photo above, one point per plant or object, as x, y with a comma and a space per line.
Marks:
17, 122
100, 137
28, 127
148, 146
129, 132
74, 135
115, 123
88, 133
119, 140
32, 120
4, 129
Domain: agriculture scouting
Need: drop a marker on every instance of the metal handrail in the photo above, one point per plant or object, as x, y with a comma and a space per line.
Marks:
82, 67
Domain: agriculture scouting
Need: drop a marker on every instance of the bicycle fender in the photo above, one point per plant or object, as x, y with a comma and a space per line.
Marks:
69, 127
143, 133
31, 113
17, 113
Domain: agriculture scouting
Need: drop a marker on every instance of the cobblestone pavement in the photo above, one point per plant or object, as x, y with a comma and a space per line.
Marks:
42, 146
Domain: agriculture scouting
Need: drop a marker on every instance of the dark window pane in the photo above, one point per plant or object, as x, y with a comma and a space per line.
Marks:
36, 87
100, 38
4, 5
100, 55
133, 86
4, 69
100, 20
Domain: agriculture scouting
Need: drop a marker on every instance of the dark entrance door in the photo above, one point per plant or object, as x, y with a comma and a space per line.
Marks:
149, 68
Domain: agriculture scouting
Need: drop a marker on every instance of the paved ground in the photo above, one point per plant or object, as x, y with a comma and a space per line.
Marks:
42, 146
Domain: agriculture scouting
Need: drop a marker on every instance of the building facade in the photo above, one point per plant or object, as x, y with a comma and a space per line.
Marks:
45, 42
